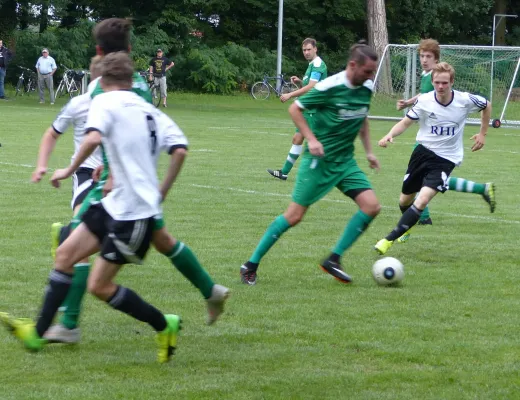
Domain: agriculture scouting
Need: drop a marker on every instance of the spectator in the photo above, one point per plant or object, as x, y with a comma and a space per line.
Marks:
46, 67
5, 57
158, 67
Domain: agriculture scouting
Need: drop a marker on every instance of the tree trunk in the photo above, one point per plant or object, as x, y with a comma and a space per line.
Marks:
44, 16
23, 14
8, 19
500, 30
378, 39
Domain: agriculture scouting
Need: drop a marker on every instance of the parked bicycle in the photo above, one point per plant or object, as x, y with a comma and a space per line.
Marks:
71, 83
27, 82
154, 88
262, 90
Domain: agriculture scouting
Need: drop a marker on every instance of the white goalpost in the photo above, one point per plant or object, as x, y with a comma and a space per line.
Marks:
490, 71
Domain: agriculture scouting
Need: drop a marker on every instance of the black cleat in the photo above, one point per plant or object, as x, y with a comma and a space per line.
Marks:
277, 173
247, 275
336, 271
427, 221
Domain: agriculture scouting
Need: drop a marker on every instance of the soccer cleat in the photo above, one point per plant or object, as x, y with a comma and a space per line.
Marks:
404, 237
383, 246
24, 330
248, 276
489, 196
55, 237
167, 339
215, 304
336, 271
426, 221
61, 334
277, 173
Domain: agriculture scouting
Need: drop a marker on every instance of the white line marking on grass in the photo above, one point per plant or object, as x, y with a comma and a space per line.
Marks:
255, 192
17, 165
203, 151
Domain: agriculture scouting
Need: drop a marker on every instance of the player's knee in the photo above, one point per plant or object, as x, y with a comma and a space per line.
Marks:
293, 217
98, 289
163, 241
372, 208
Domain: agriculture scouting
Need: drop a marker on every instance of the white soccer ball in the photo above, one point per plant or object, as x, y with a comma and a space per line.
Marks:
388, 271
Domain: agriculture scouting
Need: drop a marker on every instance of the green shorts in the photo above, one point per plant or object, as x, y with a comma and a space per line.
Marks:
317, 177
95, 195
308, 118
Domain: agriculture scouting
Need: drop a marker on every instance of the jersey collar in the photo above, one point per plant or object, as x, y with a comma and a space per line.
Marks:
444, 105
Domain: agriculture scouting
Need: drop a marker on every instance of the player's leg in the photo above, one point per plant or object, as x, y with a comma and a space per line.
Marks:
181, 256
124, 242
425, 216
356, 186
486, 190
80, 244
163, 89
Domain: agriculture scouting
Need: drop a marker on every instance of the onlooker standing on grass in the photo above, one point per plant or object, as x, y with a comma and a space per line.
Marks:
158, 67
46, 67
5, 57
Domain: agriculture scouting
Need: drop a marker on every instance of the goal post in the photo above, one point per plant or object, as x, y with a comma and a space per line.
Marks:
492, 72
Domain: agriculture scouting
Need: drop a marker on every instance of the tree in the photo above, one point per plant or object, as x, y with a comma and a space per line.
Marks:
378, 39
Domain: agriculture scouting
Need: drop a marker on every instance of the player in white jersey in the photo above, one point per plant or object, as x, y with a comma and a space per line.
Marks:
442, 116
121, 225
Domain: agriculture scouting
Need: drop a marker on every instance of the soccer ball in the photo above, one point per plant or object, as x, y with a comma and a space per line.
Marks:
388, 271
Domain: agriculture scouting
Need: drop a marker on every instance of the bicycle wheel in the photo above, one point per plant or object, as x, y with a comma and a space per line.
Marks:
260, 91
156, 95
288, 88
19, 87
59, 90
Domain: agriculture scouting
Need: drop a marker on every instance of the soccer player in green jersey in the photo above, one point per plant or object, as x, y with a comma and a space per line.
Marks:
429, 55
316, 71
340, 105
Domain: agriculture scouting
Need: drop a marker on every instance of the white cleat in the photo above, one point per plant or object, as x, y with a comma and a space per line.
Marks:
60, 334
215, 304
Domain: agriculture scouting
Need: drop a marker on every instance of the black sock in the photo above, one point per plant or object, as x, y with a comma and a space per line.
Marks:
335, 258
251, 266
57, 289
130, 303
408, 219
64, 233
404, 208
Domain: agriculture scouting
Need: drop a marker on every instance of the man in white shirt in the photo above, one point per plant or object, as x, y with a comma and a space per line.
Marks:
133, 132
46, 67
442, 116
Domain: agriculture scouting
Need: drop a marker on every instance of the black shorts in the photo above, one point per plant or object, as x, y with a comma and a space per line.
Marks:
426, 168
82, 184
122, 242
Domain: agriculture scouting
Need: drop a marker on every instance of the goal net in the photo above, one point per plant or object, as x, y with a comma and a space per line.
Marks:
492, 72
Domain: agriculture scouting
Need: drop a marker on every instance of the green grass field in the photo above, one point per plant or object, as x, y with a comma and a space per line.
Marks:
450, 331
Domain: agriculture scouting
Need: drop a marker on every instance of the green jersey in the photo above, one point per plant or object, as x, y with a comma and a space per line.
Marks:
316, 71
140, 87
339, 110
426, 85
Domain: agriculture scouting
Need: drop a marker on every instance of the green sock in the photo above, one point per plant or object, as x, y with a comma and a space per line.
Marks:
294, 153
186, 262
463, 185
425, 214
354, 229
73, 300
271, 235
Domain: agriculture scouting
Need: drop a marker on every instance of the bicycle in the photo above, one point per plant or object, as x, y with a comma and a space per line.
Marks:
262, 90
154, 88
71, 83
26, 82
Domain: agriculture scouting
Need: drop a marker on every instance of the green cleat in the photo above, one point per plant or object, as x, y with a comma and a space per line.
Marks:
167, 339
55, 237
404, 237
489, 196
24, 330
383, 245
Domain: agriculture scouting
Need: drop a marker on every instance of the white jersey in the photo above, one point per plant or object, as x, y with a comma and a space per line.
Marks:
133, 133
441, 126
75, 113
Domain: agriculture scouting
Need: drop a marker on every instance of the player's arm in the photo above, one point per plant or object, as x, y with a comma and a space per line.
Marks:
402, 104
299, 92
177, 156
90, 143
480, 138
169, 65
364, 135
396, 130
296, 113
47, 145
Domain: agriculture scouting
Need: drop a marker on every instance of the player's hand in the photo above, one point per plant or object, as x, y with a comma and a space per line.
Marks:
295, 79
385, 140
107, 188
96, 174
59, 175
401, 104
480, 141
285, 97
315, 148
38, 173
373, 162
